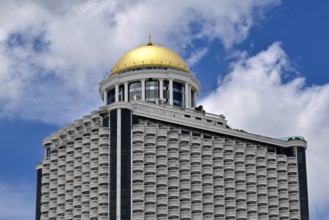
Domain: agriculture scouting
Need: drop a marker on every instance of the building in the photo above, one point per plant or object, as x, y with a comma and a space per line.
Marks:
148, 153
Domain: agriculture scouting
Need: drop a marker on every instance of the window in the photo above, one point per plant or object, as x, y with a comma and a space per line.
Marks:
178, 91
111, 96
151, 91
135, 91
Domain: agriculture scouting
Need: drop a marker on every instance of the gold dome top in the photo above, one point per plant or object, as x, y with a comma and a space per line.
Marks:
150, 55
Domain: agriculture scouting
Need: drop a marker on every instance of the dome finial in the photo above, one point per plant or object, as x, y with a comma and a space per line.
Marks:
149, 43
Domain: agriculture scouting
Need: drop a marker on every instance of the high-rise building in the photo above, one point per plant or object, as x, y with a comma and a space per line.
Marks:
150, 153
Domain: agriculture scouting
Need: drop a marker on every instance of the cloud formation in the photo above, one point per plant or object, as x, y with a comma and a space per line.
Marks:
53, 54
258, 96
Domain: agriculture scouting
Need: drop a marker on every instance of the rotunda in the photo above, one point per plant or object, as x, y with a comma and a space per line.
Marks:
151, 73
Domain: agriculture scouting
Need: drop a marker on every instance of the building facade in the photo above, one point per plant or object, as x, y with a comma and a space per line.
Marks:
148, 153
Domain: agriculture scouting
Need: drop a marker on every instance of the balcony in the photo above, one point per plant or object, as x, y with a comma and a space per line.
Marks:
104, 141
208, 190
218, 154
293, 197
218, 164
284, 214
162, 133
161, 152
93, 165
282, 159
103, 210
78, 145
206, 152
102, 190
263, 210
283, 195
272, 175
261, 182
173, 136
196, 207
207, 171
229, 157
241, 215
250, 161
271, 166
260, 154
229, 194
163, 201
292, 161
241, 206
185, 205
241, 196
149, 160
272, 184
195, 159
282, 168
283, 185
241, 177
294, 215
184, 157
173, 155
138, 177
150, 179
261, 173
103, 151
78, 154
173, 213
150, 170
252, 198
69, 158
293, 188
273, 203
229, 146
273, 212
138, 157
230, 204
229, 166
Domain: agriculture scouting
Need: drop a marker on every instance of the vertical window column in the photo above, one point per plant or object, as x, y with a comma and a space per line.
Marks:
171, 92
143, 89
118, 211
187, 95
126, 91
161, 89
38, 191
105, 97
116, 93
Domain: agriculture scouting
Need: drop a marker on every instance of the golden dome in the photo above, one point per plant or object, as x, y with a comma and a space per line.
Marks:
150, 55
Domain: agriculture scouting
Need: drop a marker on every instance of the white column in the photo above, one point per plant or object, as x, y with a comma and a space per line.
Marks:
116, 92
190, 96
171, 92
195, 97
118, 183
126, 92
186, 95
143, 89
105, 97
161, 89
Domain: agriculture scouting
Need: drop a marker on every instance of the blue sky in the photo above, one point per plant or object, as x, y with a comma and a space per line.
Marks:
261, 63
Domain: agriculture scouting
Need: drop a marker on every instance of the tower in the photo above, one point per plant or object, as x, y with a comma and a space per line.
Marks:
148, 153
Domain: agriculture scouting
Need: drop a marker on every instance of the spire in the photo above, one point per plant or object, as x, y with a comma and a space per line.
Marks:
149, 43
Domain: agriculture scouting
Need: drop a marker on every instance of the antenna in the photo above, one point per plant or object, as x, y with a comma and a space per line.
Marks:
316, 207
149, 36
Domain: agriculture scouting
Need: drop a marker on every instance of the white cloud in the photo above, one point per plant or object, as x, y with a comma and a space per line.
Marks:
54, 53
256, 97
15, 201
